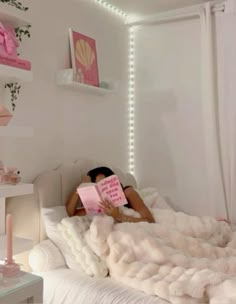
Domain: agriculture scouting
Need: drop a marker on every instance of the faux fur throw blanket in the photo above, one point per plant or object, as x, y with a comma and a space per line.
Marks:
183, 259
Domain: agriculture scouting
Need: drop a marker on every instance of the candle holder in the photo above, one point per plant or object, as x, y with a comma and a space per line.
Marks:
10, 268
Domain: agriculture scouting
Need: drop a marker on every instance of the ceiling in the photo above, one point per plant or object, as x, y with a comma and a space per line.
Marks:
140, 8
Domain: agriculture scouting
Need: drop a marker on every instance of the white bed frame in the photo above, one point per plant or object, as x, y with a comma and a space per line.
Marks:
51, 188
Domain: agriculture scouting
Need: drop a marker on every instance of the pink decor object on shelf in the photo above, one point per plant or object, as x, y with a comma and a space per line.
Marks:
84, 58
8, 49
16, 62
5, 116
12, 175
10, 268
9, 175
8, 41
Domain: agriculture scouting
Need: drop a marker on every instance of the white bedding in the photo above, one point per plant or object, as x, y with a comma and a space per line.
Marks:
180, 258
65, 286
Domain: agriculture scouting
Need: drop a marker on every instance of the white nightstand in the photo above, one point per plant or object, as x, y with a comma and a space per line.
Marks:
24, 288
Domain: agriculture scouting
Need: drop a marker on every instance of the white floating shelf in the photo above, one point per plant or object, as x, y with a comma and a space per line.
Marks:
19, 245
15, 190
65, 78
14, 131
13, 16
86, 88
10, 73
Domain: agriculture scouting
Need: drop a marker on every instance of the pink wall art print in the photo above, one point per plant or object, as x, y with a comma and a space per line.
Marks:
84, 58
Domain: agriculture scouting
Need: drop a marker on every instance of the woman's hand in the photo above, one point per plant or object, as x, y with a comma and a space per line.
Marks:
86, 179
108, 209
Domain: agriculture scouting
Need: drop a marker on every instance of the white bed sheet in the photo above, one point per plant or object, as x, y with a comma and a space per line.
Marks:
66, 286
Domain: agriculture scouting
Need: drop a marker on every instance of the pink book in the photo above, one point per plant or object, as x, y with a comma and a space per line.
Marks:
91, 194
16, 62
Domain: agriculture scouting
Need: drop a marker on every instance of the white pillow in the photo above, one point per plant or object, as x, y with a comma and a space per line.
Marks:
46, 256
153, 199
51, 218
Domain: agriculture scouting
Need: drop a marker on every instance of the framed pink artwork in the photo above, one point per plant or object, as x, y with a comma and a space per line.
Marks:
84, 58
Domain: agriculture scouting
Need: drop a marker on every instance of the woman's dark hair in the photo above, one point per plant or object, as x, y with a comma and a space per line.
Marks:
100, 170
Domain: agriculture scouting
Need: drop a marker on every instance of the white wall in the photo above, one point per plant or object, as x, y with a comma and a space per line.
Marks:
170, 144
69, 124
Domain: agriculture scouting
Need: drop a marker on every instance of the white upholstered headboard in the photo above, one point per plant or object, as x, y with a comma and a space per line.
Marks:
52, 188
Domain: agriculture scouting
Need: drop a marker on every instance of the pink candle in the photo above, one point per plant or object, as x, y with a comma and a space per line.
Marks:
9, 238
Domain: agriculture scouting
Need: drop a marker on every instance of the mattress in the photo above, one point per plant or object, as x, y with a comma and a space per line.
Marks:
66, 286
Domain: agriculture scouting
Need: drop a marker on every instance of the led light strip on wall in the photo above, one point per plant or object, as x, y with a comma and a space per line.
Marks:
112, 8
131, 89
131, 101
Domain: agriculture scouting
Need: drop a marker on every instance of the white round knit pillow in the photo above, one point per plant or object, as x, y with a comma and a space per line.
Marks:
45, 256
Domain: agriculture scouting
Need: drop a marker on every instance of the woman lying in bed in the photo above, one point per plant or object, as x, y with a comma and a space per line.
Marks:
134, 200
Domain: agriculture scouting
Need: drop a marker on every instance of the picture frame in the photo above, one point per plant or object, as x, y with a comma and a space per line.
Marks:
83, 58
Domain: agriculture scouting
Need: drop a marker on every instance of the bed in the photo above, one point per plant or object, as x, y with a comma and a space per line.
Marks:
180, 259
65, 286
61, 284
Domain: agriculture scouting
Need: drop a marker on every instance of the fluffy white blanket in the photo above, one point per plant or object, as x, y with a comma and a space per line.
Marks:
180, 258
